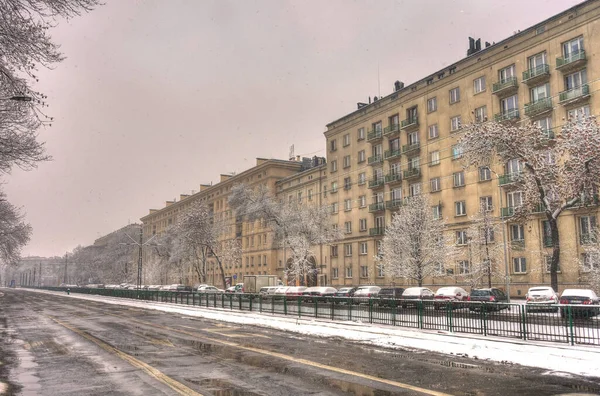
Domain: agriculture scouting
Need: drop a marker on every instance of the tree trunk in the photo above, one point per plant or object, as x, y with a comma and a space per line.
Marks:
555, 253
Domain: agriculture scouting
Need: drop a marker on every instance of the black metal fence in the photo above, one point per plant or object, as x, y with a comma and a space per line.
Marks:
573, 324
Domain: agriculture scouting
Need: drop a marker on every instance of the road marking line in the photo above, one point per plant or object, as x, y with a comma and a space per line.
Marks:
151, 371
297, 360
221, 331
155, 341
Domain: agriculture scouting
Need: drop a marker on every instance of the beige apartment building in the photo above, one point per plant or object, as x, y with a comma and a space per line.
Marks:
404, 144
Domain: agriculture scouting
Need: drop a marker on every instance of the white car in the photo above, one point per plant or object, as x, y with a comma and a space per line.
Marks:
268, 290
367, 292
206, 289
451, 294
412, 295
541, 298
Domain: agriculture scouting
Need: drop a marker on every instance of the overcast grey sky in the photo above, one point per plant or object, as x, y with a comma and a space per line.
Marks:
157, 97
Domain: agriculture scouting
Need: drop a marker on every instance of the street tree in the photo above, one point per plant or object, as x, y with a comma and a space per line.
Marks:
551, 174
14, 232
590, 262
297, 227
415, 246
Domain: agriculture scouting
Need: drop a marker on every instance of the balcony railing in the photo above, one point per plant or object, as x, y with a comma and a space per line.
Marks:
410, 147
376, 182
508, 178
389, 154
538, 107
393, 204
587, 238
413, 172
548, 134
574, 94
518, 244
393, 177
375, 159
508, 84
391, 129
376, 207
376, 231
566, 62
374, 135
507, 115
507, 212
536, 73
410, 123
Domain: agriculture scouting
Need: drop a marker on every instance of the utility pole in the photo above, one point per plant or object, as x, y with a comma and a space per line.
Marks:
66, 264
139, 277
40, 279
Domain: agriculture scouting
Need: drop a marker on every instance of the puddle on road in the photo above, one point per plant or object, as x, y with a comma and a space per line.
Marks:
220, 387
24, 373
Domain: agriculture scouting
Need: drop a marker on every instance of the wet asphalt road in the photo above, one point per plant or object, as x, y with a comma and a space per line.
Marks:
58, 345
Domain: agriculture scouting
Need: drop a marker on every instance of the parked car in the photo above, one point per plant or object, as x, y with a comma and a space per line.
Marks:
450, 296
154, 287
206, 289
412, 295
268, 290
364, 293
230, 289
388, 295
583, 303
294, 291
492, 297
542, 298
318, 293
346, 291
180, 288
165, 288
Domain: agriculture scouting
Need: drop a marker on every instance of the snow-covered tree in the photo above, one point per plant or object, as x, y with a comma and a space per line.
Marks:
14, 232
298, 227
553, 174
590, 262
415, 245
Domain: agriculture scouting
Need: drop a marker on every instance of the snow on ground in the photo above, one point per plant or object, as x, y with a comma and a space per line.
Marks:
580, 360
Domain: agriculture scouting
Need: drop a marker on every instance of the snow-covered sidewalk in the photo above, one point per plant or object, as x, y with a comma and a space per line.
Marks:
581, 360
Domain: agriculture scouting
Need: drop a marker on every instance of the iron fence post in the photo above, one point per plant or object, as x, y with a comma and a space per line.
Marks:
284, 305
299, 307
260, 303
523, 309
570, 313
316, 308
370, 310
332, 309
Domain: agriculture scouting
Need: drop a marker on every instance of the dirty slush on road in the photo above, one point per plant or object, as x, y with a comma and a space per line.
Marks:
8, 358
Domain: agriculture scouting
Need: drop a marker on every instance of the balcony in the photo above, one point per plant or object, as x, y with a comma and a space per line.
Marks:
509, 115
508, 178
412, 173
376, 182
507, 212
587, 238
393, 178
374, 135
517, 244
538, 107
410, 123
393, 204
377, 207
391, 129
375, 159
411, 147
571, 62
391, 154
377, 231
574, 95
536, 74
506, 86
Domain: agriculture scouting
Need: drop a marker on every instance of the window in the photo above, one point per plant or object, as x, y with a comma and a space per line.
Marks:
362, 225
348, 229
587, 229
485, 173
333, 145
514, 199
481, 114
347, 204
590, 261
479, 84
485, 204
539, 93
334, 166
360, 134
362, 178
380, 271
348, 272
334, 187
437, 212
434, 184
347, 160
310, 194
506, 73
461, 237
454, 124
346, 140
546, 234
510, 105
457, 151
362, 157
431, 105
334, 273
395, 145
348, 249
519, 265
460, 208
300, 196
514, 166
537, 61
454, 95
433, 131
517, 233
463, 267
362, 201
364, 271
548, 262
396, 194
334, 251
452, 70
334, 207
578, 114
347, 183
412, 115
363, 248
434, 158
376, 150
252, 261
576, 80
572, 47
394, 121
414, 189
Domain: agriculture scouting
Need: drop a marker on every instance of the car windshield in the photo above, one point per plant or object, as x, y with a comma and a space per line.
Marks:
480, 293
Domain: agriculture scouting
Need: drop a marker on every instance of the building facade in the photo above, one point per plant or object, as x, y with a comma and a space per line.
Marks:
405, 144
